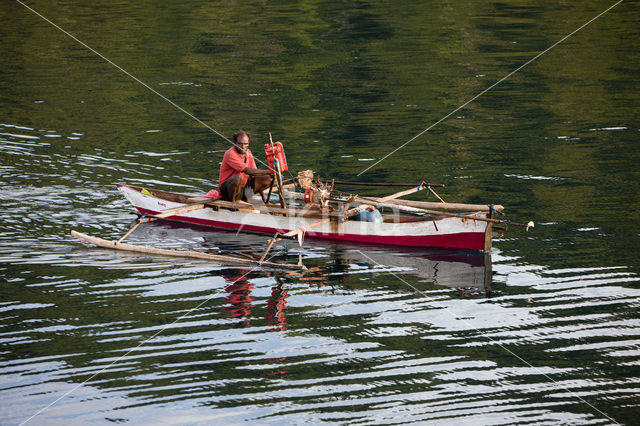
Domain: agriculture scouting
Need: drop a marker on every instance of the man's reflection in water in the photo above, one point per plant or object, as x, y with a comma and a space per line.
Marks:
277, 307
238, 299
239, 302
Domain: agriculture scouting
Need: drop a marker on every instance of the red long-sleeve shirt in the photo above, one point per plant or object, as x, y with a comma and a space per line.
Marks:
234, 164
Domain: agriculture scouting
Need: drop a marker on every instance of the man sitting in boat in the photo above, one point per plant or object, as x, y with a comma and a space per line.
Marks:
238, 171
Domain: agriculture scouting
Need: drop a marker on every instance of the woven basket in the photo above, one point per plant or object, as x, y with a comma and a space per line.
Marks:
305, 178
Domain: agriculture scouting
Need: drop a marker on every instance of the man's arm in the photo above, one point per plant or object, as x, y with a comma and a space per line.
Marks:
252, 171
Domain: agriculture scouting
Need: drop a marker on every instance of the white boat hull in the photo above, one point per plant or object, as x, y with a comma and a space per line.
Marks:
448, 232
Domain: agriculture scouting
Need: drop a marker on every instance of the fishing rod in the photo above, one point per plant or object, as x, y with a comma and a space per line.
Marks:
341, 182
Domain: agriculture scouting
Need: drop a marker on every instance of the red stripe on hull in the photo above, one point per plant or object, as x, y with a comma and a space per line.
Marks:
463, 240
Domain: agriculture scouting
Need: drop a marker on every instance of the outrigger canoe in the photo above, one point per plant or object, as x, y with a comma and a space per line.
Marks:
468, 231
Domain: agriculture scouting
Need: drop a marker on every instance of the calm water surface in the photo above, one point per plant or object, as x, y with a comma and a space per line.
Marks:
544, 330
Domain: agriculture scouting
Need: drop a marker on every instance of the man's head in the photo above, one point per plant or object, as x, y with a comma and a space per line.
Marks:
241, 140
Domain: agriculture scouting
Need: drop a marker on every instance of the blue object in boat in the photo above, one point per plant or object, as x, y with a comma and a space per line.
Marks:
369, 216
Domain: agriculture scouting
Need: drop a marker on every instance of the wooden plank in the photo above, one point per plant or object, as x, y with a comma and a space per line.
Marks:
253, 208
194, 254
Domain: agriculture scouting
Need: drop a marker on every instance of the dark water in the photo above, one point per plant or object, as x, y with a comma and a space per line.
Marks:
544, 331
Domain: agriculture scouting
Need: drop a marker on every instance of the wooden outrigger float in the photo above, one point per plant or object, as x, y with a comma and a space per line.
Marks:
183, 253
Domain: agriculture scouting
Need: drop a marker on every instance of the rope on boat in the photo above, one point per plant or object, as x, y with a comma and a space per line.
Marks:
146, 219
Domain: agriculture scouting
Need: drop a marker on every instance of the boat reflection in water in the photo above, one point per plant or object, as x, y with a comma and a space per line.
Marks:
330, 266
468, 272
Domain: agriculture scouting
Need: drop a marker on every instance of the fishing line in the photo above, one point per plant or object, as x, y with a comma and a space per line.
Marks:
139, 345
489, 88
471, 326
136, 79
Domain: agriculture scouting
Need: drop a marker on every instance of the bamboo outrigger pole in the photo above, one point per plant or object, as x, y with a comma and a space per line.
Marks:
295, 233
166, 214
419, 204
420, 187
